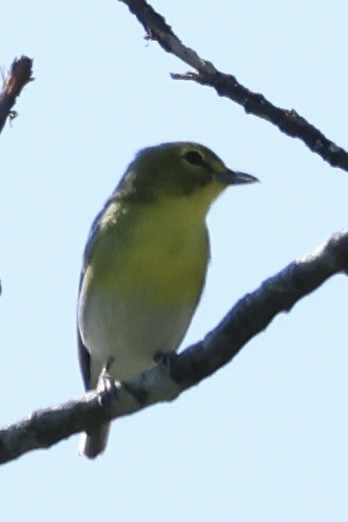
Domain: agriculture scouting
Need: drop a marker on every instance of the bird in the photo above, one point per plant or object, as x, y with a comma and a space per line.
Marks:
144, 265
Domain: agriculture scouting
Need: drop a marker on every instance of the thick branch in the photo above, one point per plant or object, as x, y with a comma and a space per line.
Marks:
18, 76
252, 314
287, 121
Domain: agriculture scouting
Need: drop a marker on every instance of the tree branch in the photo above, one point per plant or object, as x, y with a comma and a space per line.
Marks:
19, 75
176, 373
287, 121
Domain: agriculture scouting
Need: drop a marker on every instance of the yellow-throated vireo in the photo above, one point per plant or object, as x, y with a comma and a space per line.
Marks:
145, 264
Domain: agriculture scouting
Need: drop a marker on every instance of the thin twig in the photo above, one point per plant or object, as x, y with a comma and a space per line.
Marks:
287, 120
18, 76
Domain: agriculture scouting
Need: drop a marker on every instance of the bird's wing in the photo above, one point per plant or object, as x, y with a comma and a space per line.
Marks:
83, 354
84, 360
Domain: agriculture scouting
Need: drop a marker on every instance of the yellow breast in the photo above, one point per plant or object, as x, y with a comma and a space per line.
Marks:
158, 254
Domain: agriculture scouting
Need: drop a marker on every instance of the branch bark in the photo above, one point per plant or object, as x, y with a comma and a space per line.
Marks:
18, 76
177, 373
287, 120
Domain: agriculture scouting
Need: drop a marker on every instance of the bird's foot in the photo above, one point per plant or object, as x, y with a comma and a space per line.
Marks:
166, 360
107, 387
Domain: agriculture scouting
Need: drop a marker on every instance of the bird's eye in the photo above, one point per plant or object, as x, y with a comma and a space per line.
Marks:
194, 157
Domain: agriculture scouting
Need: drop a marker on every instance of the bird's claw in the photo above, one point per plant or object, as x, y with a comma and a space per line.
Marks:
166, 360
106, 386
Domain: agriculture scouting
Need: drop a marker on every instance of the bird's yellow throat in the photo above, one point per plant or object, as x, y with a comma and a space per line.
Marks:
160, 251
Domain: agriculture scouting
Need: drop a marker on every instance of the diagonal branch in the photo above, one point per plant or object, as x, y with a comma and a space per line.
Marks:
287, 121
18, 76
252, 314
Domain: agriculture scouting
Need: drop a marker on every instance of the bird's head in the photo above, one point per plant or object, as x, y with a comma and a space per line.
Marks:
180, 170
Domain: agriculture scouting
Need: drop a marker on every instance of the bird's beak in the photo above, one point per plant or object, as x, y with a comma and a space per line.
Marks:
233, 177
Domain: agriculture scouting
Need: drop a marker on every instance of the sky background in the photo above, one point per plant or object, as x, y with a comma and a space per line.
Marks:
264, 439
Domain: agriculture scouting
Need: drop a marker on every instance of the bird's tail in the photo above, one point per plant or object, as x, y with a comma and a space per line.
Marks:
94, 443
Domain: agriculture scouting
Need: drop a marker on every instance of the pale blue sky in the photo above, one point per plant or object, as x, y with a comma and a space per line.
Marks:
265, 439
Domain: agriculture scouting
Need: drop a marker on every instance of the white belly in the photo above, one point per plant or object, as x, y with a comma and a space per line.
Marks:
128, 335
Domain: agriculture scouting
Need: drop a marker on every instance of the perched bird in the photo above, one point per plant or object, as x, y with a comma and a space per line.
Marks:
145, 264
